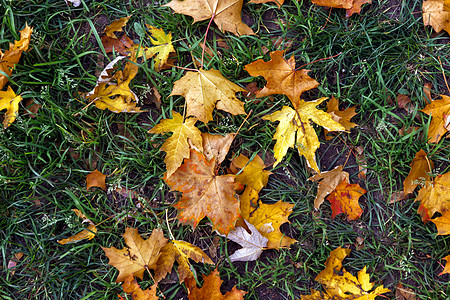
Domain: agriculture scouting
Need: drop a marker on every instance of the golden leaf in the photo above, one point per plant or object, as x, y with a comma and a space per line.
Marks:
421, 167
177, 146
202, 89
87, 234
130, 286
226, 13
9, 101
253, 173
437, 109
437, 14
117, 25
341, 116
139, 256
434, 197
295, 129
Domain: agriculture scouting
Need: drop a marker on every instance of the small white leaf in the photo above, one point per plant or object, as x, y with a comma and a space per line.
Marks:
253, 244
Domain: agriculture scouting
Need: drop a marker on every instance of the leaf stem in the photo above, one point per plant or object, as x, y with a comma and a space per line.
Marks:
204, 41
318, 60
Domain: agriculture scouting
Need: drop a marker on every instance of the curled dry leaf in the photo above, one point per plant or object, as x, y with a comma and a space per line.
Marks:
9, 101
344, 199
113, 91
267, 218
180, 251
205, 194
282, 77
421, 167
437, 109
252, 244
177, 146
341, 116
253, 173
437, 14
226, 13
295, 129
130, 286
12, 263
205, 90
87, 234
211, 289
328, 181
11, 57
96, 179
345, 286
139, 256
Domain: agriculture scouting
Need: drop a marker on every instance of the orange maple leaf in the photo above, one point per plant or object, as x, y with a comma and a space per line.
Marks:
205, 194
421, 166
282, 77
96, 179
447, 266
225, 13
140, 255
344, 199
438, 109
211, 289
130, 286
434, 197
341, 116
352, 6
328, 181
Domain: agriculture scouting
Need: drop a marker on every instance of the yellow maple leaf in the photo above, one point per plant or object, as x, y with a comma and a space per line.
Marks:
267, 218
140, 255
180, 251
437, 14
177, 146
87, 234
295, 130
130, 286
162, 47
226, 13
202, 89
113, 91
437, 109
9, 101
434, 197
253, 173
345, 286
12, 56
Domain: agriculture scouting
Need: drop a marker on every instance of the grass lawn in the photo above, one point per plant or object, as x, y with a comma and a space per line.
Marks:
44, 160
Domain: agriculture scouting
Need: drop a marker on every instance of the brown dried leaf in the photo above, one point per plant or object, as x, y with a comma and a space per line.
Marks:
96, 178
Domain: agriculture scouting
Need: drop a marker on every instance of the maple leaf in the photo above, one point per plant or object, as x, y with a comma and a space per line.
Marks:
87, 234
252, 244
447, 266
225, 13
328, 181
177, 146
216, 146
352, 6
437, 14
211, 289
117, 25
140, 255
434, 197
437, 109
12, 56
344, 199
282, 77
9, 101
130, 286
341, 116
345, 286
421, 167
112, 91
202, 89
297, 121
96, 179
180, 251
205, 193
253, 173
267, 218
443, 223
162, 47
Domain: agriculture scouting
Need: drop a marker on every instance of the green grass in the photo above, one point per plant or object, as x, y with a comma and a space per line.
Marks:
44, 160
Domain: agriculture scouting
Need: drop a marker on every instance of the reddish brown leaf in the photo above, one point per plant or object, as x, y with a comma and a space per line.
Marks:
344, 199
